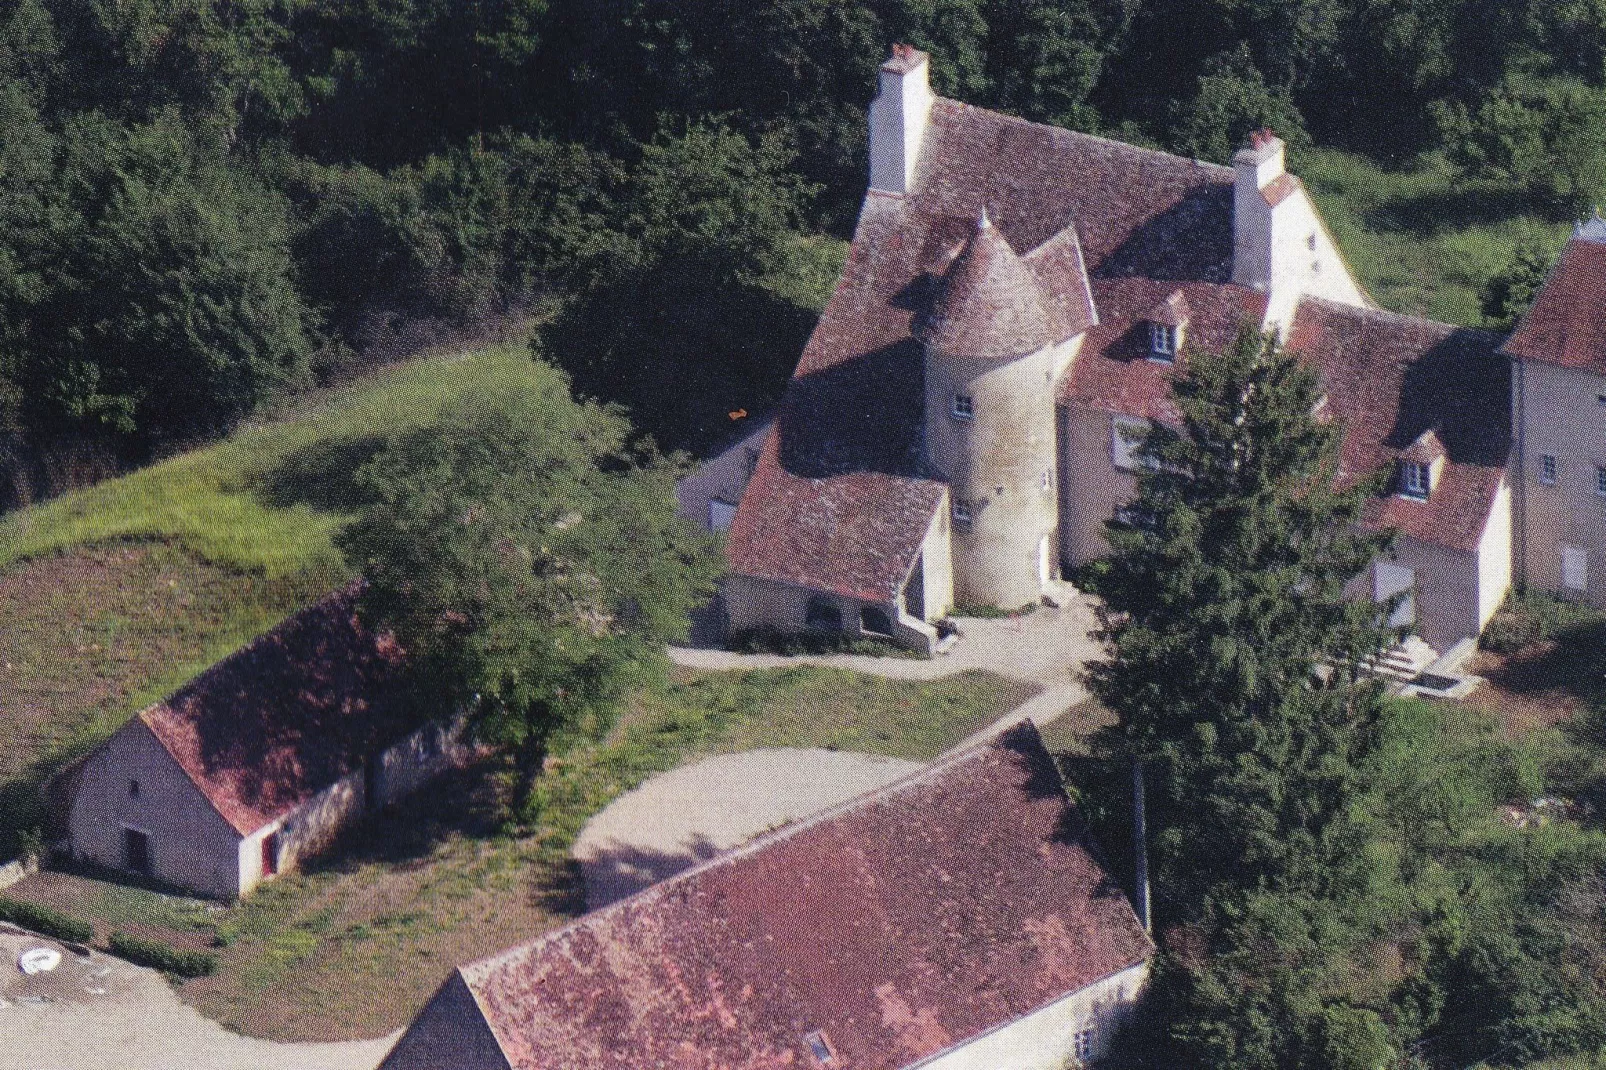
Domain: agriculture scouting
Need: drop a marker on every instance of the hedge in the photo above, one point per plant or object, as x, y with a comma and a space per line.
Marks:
45, 921
162, 956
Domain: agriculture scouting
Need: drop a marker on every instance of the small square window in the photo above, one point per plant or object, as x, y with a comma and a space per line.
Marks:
1600, 480
820, 1047
964, 407
1600, 399
1048, 482
1547, 469
133, 789
961, 512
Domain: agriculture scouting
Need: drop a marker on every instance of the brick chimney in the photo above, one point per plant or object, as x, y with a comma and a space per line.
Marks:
1257, 171
898, 119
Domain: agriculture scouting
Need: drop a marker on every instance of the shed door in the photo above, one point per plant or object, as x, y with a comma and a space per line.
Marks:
1575, 568
1389, 580
136, 851
270, 854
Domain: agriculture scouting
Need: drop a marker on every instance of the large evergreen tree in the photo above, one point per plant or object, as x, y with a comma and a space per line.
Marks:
1235, 667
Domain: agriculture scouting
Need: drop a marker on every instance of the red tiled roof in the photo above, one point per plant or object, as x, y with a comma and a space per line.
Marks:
847, 438
989, 303
1390, 379
1113, 374
1567, 323
913, 918
278, 721
1173, 311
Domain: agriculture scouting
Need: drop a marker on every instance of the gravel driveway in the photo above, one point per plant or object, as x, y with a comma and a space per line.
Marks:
686, 815
95, 1012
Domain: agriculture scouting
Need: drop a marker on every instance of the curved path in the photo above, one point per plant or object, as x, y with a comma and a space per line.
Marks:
96, 1012
692, 813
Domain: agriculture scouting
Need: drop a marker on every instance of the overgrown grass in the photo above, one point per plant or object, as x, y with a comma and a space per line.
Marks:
268, 499
1419, 240
355, 945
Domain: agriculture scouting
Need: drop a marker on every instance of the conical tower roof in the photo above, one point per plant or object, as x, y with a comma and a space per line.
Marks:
990, 304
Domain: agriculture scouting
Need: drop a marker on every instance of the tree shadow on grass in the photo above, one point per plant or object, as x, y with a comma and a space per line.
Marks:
1453, 207
322, 475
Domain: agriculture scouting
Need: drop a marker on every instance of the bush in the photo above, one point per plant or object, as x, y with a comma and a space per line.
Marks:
1529, 618
160, 956
766, 640
45, 921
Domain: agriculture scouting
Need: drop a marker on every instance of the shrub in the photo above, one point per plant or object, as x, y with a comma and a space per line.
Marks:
45, 921
160, 956
764, 640
1530, 618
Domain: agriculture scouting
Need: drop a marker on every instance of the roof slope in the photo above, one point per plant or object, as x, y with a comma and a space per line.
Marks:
990, 304
848, 433
278, 721
900, 923
1566, 324
1391, 378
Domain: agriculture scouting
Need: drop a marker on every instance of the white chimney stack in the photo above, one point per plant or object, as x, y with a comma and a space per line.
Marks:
1256, 167
898, 119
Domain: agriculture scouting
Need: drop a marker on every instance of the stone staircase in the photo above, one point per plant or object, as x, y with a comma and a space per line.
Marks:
1403, 662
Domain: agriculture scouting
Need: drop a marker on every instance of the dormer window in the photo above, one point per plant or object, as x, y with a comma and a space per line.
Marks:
1415, 480
961, 512
964, 407
1167, 322
820, 1047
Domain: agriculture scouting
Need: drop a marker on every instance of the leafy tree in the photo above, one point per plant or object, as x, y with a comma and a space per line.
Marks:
526, 552
1544, 136
1222, 597
1510, 292
1044, 58
1233, 99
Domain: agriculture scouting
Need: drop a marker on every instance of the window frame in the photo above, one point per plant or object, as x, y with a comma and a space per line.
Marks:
1416, 481
1163, 342
1549, 467
1600, 480
962, 407
960, 510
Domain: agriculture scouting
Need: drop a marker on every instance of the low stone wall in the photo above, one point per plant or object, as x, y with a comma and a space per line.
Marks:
410, 764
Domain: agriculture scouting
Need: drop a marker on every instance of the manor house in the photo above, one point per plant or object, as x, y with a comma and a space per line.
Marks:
1015, 304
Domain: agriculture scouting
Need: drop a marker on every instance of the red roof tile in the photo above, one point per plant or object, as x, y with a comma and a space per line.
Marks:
911, 919
1390, 379
278, 721
1567, 323
847, 438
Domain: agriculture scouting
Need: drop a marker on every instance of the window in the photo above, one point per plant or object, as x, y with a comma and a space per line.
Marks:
133, 789
1600, 399
1600, 480
1126, 437
1574, 568
961, 512
1048, 482
964, 407
875, 621
1414, 479
1162, 341
1547, 469
1083, 1044
820, 1047
823, 615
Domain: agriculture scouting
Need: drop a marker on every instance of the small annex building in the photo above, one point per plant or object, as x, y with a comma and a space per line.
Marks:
958, 918
260, 761
1014, 308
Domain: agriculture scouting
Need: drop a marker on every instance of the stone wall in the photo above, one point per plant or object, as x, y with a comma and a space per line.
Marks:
1558, 412
1046, 1039
758, 604
191, 846
1091, 487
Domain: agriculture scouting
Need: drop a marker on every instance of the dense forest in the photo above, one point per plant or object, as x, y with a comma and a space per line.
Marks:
207, 203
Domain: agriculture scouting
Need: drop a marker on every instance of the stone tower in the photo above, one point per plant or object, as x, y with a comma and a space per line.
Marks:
996, 341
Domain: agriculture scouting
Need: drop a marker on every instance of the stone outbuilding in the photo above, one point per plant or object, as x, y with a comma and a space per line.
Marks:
261, 761
956, 919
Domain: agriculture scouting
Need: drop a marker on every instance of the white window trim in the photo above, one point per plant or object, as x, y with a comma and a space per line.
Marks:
963, 407
1416, 480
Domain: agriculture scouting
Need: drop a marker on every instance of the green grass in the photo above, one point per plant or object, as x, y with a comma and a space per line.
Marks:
356, 944
269, 499
1420, 241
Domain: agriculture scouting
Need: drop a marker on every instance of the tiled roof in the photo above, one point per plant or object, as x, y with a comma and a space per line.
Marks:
989, 303
1567, 323
848, 435
903, 922
1113, 373
1173, 311
278, 721
1390, 379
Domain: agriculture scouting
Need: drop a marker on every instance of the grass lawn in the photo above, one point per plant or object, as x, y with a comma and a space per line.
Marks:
1418, 241
353, 947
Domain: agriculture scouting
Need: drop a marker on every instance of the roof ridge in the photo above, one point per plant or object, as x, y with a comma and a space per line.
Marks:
941, 764
1374, 312
1060, 131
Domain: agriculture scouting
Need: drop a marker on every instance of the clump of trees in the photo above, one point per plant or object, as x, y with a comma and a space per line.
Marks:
1334, 888
526, 553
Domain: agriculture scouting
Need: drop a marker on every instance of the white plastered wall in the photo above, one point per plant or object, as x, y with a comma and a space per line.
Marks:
1495, 555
